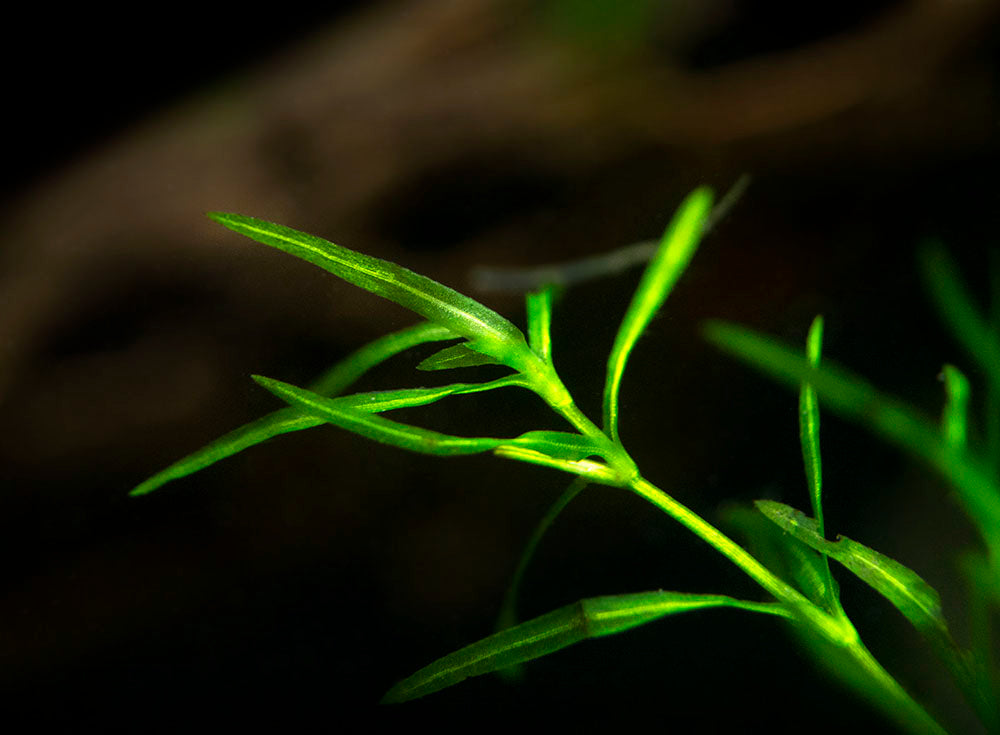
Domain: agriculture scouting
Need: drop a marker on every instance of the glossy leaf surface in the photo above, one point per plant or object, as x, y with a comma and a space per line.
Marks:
590, 618
486, 330
675, 251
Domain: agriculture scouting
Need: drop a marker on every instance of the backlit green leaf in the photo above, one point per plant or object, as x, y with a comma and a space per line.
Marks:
456, 356
856, 399
539, 309
964, 320
903, 587
955, 419
350, 413
487, 331
285, 420
591, 618
676, 248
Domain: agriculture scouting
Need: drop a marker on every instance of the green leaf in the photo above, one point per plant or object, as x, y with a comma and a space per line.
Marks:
456, 356
903, 587
487, 331
675, 251
964, 320
789, 558
508, 610
856, 399
809, 424
279, 422
811, 458
561, 444
955, 419
907, 591
347, 415
590, 618
285, 420
539, 309
346, 372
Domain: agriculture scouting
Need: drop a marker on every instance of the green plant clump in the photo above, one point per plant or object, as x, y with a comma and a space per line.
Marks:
792, 551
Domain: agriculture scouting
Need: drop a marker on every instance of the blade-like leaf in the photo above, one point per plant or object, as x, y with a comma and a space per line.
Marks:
856, 399
907, 591
344, 374
456, 356
964, 320
591, 618
285, 420
955, 418
676, 248
487, 331
508, 610
560, 444
386, 431
539, 309
279, 422
903, 587
811, 458
786, 556
809, 425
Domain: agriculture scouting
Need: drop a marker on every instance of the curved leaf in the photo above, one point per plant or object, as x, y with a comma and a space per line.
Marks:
676, 248
903, 587
590, 618
286, 420
490, 332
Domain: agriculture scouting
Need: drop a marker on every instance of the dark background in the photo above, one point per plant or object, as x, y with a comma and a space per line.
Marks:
304, 577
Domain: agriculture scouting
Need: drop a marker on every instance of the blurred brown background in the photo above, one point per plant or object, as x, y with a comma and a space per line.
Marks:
308, 575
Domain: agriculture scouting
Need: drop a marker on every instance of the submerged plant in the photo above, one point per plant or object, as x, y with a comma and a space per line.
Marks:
792, 558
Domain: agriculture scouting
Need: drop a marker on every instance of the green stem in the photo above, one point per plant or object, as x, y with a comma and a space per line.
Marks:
838, 630
722, 543
894, 700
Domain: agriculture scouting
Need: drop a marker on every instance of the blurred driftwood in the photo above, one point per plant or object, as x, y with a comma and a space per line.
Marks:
327, 137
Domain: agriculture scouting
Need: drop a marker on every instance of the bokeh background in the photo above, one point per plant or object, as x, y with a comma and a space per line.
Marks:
303, 578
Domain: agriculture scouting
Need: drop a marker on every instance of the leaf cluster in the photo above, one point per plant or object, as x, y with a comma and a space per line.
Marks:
793, 552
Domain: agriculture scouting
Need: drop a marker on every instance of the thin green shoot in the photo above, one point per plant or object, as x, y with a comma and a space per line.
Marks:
589, 618
487, 331
508, 609
811, 457
971, 328
539, 314
336, 380
676, 249
955, 417
857, 400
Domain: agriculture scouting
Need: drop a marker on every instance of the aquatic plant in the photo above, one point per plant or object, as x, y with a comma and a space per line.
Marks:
792, 553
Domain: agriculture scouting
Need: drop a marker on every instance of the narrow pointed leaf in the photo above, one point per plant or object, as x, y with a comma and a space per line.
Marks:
786, 556
598, 472
508, 610
964, 320
286, 420
345, 373
676, 248
279, 422
811, 458
590, 618
955, 419
809, 425
539, 310
903, 587
456, 356
856, 399
489, 331
386, 431
559, 444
